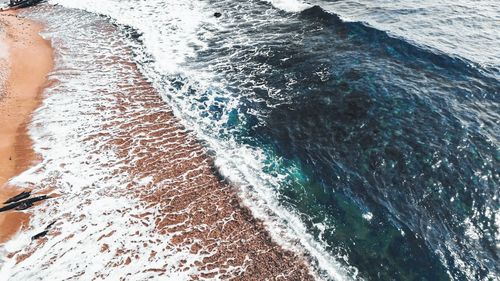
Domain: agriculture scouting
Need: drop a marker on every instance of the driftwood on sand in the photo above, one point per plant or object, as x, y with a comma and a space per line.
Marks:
43, 233
24, 204
40, 235
20, 196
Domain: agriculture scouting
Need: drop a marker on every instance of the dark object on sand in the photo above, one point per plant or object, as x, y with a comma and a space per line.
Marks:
23, 205
20, 196
217, 15
50, 225
40, 235
23, 3
43, 233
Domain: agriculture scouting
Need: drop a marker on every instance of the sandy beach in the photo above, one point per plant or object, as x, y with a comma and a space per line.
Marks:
25, 65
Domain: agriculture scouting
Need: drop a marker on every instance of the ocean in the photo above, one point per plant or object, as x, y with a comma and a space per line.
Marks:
365, 135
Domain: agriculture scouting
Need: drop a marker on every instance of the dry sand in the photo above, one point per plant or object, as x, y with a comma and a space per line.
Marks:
29, 60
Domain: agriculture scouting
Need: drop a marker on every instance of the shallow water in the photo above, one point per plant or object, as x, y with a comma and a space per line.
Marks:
372, 148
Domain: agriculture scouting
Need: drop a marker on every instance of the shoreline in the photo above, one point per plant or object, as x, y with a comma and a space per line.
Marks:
27, 62
137, 189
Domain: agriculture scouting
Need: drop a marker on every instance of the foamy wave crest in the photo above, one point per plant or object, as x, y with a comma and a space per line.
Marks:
169, 36
292, 6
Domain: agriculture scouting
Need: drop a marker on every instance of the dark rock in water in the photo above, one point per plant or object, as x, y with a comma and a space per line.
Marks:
217, 15
135, 35
40, 235
20, 196
22, 205
132, 33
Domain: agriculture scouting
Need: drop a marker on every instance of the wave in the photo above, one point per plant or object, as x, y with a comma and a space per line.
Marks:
392, 43
396, 46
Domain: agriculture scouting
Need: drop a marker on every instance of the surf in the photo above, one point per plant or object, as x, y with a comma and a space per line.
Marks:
286, 100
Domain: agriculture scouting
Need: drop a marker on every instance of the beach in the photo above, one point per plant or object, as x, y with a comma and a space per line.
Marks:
136, 190
25, 65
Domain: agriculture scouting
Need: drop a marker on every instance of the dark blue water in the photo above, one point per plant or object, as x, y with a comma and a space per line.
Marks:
378, 126
408, 134
387, 149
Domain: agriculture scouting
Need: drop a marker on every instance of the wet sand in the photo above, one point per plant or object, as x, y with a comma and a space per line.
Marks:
25, 65
179, 216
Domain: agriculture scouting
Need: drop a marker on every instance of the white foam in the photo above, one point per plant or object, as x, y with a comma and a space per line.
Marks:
292, 6
170, 38
368, 216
